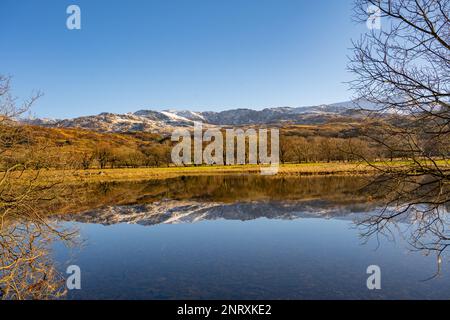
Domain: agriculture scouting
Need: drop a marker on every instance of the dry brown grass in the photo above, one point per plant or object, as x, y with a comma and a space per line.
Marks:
136, 174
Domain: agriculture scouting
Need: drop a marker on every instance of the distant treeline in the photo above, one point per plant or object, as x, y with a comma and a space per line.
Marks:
83, 149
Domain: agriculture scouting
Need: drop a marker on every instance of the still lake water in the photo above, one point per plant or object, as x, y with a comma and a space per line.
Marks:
241, 237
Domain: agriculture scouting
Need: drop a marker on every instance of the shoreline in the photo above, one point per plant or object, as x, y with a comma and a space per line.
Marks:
76, 176
142, 174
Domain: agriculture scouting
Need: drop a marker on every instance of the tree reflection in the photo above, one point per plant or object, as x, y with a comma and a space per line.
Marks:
27, 270
413, 209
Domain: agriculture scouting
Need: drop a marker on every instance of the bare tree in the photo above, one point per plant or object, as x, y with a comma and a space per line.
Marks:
86, 160
403, 70
26, 271
103, 155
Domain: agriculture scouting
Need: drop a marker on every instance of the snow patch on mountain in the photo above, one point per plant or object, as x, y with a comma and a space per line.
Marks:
174, 116
167, 120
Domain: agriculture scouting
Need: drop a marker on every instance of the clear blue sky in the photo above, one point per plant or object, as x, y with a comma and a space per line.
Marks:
184, 54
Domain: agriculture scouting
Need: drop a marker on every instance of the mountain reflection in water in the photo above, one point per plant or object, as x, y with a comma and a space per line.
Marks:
244, 237
192, 199
173, 211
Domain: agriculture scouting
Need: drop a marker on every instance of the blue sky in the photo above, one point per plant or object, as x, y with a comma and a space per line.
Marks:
182, 54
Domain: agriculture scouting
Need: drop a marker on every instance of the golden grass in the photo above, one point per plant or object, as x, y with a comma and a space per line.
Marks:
139, 174
136, 174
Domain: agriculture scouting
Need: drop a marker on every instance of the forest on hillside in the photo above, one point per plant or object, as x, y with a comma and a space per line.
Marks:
40, 147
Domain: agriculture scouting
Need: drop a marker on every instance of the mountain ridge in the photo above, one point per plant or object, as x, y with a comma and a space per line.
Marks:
148, 120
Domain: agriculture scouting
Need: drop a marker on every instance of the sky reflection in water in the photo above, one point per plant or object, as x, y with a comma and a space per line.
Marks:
197, 248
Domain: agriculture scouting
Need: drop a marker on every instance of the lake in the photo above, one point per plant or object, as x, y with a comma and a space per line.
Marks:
243, 237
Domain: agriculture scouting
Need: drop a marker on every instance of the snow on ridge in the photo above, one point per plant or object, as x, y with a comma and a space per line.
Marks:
174, 116
187, 114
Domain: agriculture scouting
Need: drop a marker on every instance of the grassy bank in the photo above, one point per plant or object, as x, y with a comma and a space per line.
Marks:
136, 174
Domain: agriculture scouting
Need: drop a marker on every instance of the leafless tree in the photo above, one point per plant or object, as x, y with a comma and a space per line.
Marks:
26, 271
403, 70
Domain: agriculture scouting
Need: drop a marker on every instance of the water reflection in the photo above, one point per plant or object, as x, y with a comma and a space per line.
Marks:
27, 270
192, 199
224, 189
247, 237
420, 203
247, 197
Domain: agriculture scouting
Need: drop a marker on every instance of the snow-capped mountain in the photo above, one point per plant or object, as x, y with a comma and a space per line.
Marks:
186, 114
144, 120
165, 121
